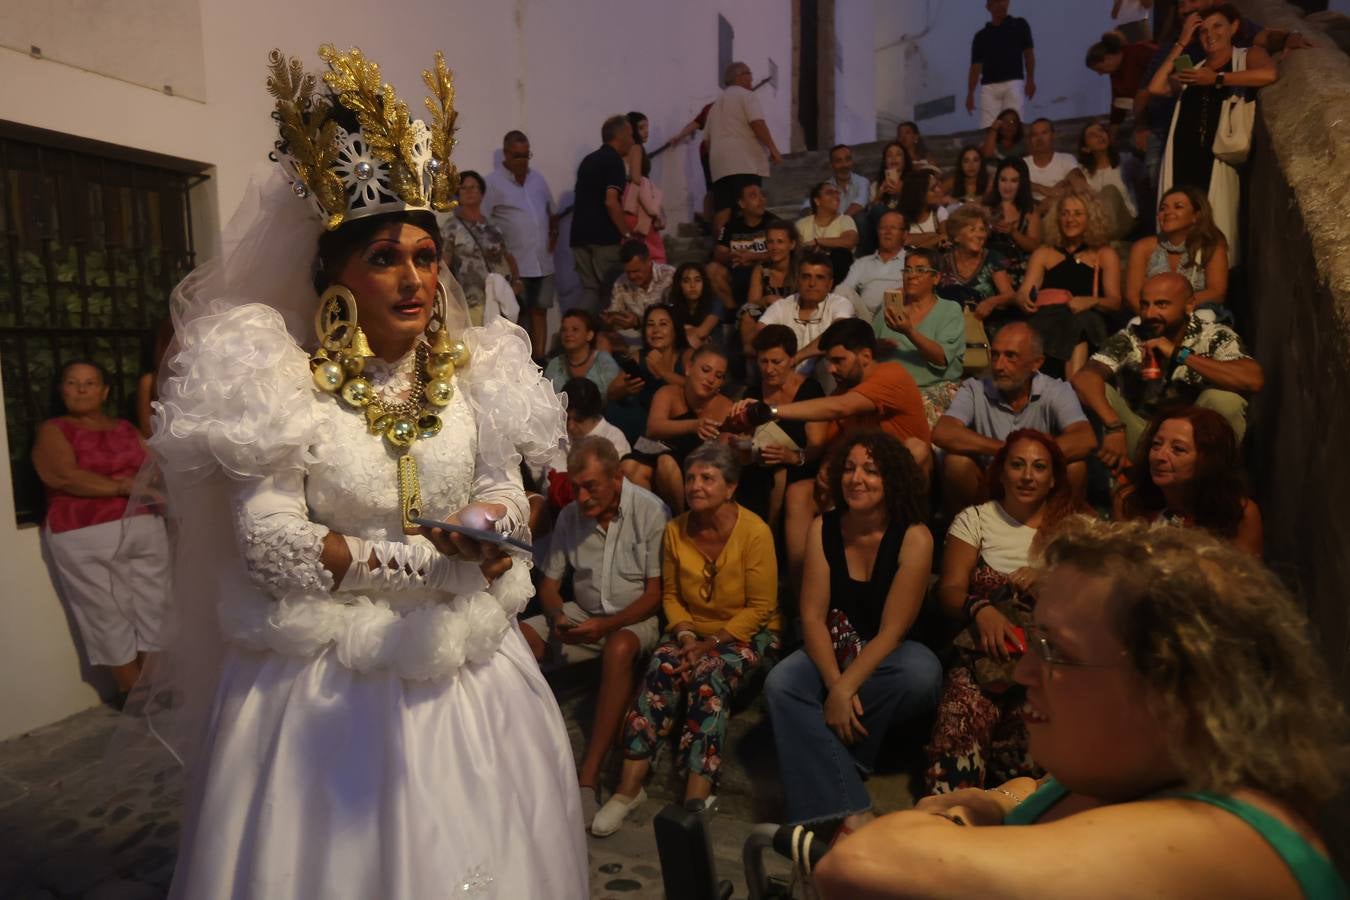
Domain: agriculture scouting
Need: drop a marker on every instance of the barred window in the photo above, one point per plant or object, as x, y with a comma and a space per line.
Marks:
92, 240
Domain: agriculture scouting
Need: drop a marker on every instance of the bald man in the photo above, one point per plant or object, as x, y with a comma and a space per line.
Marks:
1198, 362
1015, 394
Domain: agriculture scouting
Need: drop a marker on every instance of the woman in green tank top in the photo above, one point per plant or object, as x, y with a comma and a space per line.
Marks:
1190, 732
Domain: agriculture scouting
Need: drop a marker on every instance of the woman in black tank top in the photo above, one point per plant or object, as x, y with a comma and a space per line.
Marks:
867, 565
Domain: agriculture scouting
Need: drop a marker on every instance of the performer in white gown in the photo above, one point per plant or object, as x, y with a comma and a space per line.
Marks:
360, 716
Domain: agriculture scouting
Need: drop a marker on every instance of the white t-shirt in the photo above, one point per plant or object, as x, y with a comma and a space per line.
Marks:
733, 148
603, 429
1061, 164
930, 225
785, 312
1003, 542
1105, 178
807, 230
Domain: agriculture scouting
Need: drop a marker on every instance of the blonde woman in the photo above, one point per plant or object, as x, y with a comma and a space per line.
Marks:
1072, 282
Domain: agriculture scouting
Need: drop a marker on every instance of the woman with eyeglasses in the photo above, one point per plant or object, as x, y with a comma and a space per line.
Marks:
972, 273
828, 230
833, 702
928, 331
1191, 732
979, 738
720, 596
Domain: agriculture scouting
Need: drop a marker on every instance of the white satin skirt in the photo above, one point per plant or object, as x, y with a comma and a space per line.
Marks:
318, 781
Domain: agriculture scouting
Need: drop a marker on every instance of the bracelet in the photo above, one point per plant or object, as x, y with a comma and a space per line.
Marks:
1182, 355
1113, 428
801, 457
974, 604
1009, 794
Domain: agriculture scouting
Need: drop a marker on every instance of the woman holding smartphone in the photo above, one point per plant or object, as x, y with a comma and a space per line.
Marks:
1188, 157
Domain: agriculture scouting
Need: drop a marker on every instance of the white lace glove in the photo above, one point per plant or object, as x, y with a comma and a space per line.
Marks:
399, 565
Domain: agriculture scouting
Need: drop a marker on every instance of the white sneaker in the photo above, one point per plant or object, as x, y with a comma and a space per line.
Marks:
610, 817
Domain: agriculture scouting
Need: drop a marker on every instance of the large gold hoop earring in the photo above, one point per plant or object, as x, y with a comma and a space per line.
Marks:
335, 320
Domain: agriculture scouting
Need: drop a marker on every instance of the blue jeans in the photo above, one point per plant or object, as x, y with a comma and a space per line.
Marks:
823, 778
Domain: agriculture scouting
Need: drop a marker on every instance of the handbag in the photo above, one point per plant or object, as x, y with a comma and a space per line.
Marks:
976, 360
1237, 117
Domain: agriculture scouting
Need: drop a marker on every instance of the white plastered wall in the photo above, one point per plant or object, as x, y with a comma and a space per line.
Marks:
555, 70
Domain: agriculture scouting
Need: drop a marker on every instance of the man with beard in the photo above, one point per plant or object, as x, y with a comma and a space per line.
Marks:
1014, 395
1171, 357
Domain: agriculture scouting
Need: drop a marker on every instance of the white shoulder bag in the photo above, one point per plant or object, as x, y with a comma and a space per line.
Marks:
1233, 140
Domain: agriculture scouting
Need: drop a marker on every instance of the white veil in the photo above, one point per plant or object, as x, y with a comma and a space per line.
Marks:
268, 254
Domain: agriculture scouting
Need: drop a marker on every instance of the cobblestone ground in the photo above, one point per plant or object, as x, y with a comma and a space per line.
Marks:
70, 828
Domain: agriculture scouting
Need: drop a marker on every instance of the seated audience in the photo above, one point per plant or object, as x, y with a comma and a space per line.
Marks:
1099, 171
1005, 139
1014, 396
826, 230
1048, 167
111, 564
857, 677
606, 547
585, 405
871, 276
970, 273
1187, 243
885, 194
980, 737
740, 247
1170, 357
929, 334
1189, 728
663, 359
771, 280
474, 248
579, 357
907, 135
921, 205
853, 188
692, 297
1188, 471
1072, 283
1015, 231
682, 416
787, 452
719, 590
809, 311
642, 284
969, 180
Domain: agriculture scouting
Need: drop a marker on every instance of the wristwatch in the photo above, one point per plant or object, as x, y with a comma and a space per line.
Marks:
1218, 80
1113, 428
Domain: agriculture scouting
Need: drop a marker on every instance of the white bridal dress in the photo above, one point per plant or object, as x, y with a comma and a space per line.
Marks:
384, 744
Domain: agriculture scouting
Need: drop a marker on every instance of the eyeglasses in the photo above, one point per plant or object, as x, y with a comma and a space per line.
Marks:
1039, 643
709, 577
919, 270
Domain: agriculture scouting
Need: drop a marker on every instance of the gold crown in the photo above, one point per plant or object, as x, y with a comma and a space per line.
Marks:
390, 164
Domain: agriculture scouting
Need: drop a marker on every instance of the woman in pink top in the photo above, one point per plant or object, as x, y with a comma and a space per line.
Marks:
88, 461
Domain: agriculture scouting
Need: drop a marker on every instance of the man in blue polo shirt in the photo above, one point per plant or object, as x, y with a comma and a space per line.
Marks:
1002, 64
1013, 395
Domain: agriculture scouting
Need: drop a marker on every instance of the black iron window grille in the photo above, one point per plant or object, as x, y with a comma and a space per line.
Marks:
93, 239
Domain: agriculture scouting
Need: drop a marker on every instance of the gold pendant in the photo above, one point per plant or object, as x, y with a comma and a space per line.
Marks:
409, 493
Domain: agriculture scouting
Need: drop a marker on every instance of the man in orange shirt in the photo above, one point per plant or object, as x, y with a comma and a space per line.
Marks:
871, 394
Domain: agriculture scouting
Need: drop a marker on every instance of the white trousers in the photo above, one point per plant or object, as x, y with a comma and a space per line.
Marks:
115, 578
995, 98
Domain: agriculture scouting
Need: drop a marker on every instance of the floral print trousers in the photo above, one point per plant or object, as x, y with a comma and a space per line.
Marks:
980, 738
703, 693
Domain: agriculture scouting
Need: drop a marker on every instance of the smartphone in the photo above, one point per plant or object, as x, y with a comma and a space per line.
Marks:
478, 534
1184, 63
894, 298
1013, 648
629, 366
893, 176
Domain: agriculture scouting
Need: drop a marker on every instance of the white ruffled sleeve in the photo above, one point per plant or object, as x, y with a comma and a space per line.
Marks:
239, 396
518, 413
282, 548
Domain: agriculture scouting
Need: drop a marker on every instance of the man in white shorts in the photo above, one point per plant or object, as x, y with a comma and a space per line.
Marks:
1002, 64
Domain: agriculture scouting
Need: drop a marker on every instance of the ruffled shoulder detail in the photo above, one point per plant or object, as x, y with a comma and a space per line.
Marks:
238, 396
517, 410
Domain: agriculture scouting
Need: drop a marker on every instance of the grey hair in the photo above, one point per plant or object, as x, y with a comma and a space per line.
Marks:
719, 456
733, 72
593, 447
1034, 340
